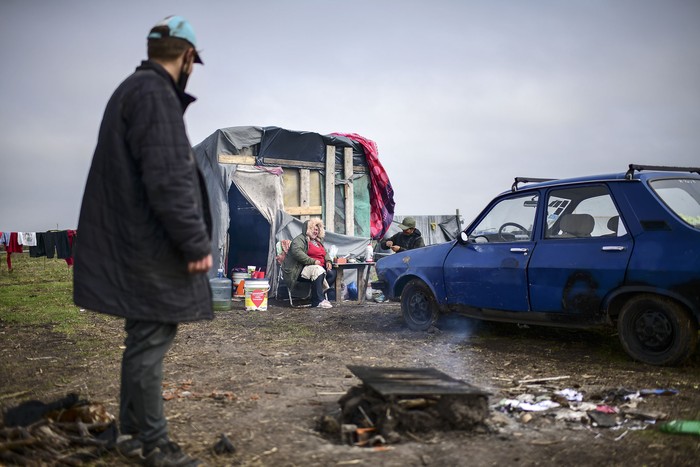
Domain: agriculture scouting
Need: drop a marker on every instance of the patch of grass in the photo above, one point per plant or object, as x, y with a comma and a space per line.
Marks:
26, 270
293, 330
39, 292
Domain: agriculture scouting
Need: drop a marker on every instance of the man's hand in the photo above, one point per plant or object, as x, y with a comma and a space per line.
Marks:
395, 248
329, 265
389, 243
199, 266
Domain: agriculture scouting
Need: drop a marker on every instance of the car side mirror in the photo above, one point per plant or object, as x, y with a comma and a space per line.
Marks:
463, 238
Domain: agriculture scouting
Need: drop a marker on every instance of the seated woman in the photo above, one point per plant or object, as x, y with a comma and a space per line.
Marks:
308, 260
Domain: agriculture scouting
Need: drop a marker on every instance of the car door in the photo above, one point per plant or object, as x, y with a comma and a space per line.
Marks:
583, 254
490, 271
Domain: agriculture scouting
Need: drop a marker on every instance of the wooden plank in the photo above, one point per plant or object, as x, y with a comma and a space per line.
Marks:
304, 210
236, 159
294, 164
329, 220
349, 193
306, 164
304, 190
290, 185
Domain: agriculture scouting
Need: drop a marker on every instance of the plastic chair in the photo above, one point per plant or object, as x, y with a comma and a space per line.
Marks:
302, 290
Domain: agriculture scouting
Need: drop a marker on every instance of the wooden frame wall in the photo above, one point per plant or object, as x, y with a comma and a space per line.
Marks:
304, 210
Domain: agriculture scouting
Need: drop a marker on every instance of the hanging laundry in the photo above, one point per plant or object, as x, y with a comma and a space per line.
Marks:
11, 246
56, 242
27, 238
40, 248
72, 235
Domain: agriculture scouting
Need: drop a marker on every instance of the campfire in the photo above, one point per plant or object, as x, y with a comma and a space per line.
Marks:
395, 401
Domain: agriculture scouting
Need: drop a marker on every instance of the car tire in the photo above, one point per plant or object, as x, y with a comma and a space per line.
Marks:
656, 330
419, 308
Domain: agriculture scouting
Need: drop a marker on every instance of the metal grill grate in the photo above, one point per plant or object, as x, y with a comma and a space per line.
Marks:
412, 381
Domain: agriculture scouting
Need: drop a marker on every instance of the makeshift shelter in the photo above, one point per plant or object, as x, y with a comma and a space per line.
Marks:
258, 178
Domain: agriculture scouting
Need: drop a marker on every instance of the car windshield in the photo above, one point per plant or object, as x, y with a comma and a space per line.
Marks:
509, 220
682, 196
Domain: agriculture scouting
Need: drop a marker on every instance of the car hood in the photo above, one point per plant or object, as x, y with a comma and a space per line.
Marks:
423, 263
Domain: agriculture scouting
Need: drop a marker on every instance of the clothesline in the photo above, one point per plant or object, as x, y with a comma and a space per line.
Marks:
49, 243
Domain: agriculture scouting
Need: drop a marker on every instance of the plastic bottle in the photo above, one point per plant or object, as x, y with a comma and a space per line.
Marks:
369, 293
690, 427
369, 253
221, 291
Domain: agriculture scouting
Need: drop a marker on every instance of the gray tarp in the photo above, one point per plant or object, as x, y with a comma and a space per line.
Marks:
219, 177
434, 229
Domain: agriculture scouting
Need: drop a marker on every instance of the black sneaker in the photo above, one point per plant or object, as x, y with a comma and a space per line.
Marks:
167, 454
129, 447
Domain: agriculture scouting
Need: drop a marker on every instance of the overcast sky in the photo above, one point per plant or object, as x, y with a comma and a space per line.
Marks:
460, 96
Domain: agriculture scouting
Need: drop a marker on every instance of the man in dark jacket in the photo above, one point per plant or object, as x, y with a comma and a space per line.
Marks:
408, 239
145, 231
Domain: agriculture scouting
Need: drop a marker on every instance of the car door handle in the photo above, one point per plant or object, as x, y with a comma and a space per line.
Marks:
614, 248
519, 250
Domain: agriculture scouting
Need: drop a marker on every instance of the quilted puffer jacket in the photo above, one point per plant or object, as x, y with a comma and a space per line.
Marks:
145, 211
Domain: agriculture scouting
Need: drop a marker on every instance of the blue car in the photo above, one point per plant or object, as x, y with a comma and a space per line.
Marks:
610, 250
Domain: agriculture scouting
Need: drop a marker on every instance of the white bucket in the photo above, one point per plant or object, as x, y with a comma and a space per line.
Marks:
256, 294
237, 277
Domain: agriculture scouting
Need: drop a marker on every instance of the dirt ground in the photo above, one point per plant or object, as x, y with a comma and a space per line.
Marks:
265, 378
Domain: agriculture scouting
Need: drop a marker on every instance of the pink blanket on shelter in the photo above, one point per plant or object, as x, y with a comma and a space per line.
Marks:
382, 194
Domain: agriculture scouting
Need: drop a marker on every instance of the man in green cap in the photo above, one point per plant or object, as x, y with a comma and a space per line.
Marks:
145, 233
408, 239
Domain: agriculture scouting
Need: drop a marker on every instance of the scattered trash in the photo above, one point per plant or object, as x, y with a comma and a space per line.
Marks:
603, 420
657, 392
570, 395
353, 435
609, 408
570, 415
513, 404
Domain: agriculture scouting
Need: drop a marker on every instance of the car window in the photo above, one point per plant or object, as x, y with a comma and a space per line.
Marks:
510, 220
682, 196
582, 212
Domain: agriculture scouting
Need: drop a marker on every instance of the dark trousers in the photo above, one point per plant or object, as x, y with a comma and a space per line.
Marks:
57, 242
317, 293
141, 398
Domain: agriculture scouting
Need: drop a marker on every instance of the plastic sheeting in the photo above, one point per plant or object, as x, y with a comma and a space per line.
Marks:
434, 229
305, 146
219, 178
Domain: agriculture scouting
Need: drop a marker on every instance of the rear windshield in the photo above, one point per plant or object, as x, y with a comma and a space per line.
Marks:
682, 196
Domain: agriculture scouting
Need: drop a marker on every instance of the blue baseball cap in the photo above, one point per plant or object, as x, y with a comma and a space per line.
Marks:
176, 26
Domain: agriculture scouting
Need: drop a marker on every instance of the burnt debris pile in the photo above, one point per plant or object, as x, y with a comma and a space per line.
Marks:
393, 402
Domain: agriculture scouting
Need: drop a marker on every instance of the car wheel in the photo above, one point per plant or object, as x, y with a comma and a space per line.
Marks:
420, 311
657, 330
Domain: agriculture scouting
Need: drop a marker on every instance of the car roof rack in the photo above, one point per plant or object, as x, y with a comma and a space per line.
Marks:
658, 168
514, 186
